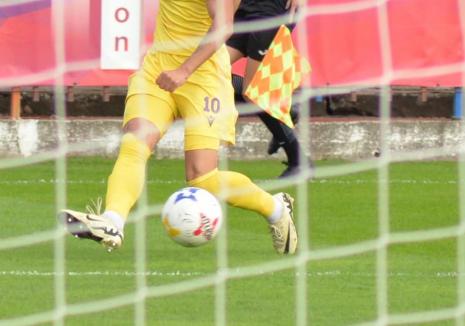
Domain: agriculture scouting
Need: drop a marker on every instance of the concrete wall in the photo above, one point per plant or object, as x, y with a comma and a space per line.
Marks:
329, 139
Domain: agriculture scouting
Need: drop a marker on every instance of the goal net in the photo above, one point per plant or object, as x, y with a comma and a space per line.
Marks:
381, 238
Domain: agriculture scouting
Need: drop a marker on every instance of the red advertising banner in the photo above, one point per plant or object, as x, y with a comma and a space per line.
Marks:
348, 42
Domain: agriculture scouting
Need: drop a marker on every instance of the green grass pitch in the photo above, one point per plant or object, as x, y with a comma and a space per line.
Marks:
422, 276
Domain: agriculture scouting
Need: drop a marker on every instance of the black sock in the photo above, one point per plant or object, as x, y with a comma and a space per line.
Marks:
292, 150
237, 82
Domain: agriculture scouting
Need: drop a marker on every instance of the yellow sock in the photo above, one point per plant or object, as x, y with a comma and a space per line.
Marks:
240, 191
127, 180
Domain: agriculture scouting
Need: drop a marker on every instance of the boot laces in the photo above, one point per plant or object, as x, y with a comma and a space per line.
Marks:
95, 206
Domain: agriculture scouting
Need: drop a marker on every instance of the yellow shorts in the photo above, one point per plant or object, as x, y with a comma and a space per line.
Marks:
205, 102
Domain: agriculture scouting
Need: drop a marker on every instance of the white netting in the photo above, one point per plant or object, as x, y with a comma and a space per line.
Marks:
306, 254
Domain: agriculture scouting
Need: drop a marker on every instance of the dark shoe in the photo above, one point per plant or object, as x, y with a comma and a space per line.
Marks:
290, 171
294, 170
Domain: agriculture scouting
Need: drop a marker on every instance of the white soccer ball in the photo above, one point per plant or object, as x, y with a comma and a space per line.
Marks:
192, 216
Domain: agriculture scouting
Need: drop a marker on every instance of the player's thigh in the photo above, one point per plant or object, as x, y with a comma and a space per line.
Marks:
208, 110
142, 108
234, 54
237, 46
145, 99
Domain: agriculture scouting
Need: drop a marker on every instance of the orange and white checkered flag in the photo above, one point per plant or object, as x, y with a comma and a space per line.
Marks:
278, 75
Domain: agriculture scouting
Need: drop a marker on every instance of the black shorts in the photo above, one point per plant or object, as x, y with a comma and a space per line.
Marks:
255, 44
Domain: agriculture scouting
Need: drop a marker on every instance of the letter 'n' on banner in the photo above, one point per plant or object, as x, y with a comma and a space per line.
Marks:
121, 34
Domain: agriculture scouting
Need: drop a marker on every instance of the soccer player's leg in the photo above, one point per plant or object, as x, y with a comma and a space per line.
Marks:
205, 129
239, 191
254, 45
282, 135
146, 119
124, 187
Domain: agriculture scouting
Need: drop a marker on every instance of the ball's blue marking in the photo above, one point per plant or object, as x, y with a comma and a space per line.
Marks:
182, 195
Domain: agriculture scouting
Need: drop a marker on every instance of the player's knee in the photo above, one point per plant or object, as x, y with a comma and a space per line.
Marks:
208, 181
193, 172
143, 130
201, 155
196, 170
133, 148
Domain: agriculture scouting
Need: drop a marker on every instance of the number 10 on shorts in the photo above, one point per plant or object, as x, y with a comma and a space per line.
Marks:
212, 104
